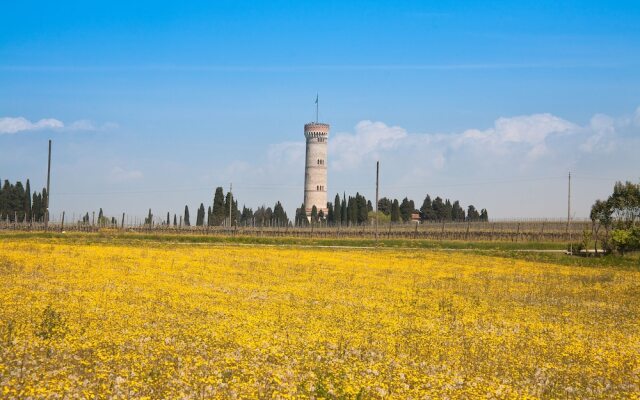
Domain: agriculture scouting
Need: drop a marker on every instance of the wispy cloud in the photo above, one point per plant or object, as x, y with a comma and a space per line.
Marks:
303, 68
11, 125
121, 175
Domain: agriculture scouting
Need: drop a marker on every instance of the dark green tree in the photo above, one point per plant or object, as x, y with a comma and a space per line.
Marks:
246, 218
301, 216
457, 212
439, 209
406, 209
279, 215
395, 211
147, 221
344, 212
218, 209
234, 209
200, 215
362, 209
484, 215
330, 219
186, 216
426, 211
314, 215
472, 214
27, 201
384, 206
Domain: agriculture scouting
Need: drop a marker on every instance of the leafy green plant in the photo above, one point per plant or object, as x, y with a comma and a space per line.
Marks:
53, 324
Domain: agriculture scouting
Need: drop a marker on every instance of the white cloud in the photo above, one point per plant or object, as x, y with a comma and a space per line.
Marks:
602, 138
81, 125
370, 138
121, 175
286, 153
529, 131
12, 125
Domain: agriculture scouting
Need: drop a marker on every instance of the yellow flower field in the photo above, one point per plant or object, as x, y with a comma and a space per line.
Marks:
156, 321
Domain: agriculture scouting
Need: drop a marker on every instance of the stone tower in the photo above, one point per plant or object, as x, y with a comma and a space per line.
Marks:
315, 170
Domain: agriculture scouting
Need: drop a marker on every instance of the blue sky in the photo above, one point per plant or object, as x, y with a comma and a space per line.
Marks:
154, 105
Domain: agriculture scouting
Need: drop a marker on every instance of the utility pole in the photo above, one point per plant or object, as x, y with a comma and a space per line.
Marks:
569, 215
230, 202
46, 217
377, 187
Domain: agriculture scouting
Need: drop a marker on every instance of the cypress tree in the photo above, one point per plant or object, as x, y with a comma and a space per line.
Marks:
17, 201
175, 220
352, 207
330, 218
438, 209
27, 201
279, 215
395, 211
344, 215
484, 215
426, 213
36, 207
301, 216
362, 209
337, 210
247, 216
314, 215
186, 216
384, 206
472, 213
218, 211
200, 215
234, 208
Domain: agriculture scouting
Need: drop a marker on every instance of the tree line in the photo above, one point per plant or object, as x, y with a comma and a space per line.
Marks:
18, 204
357, 210
16, 201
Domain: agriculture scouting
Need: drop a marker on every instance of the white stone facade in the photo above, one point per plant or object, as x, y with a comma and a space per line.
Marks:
315, 170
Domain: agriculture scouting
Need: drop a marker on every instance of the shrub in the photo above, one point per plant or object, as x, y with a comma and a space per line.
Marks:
625, 240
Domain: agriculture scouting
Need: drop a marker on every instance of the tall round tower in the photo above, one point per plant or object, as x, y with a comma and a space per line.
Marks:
315, 170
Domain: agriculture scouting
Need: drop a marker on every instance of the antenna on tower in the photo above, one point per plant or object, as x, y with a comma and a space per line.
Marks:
316, 108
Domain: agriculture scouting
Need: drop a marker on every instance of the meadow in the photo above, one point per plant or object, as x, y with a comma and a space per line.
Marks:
110, 319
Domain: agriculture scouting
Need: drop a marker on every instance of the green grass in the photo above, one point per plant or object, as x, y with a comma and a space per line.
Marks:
285, 241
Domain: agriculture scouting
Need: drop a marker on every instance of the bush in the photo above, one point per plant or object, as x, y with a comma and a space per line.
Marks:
575, 248
625, 240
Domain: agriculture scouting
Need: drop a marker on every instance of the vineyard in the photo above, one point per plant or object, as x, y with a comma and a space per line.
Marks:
509, 231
